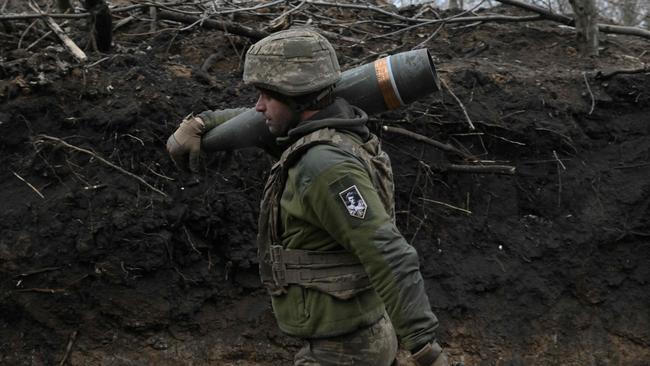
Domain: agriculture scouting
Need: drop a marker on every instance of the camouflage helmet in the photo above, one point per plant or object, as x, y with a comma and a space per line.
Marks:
292, 62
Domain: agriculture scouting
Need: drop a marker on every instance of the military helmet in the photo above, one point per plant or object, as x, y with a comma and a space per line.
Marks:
292, 62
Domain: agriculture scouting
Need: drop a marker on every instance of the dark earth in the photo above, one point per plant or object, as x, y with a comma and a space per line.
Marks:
111, 256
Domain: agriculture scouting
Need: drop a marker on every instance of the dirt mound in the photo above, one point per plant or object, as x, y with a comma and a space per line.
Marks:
107, 248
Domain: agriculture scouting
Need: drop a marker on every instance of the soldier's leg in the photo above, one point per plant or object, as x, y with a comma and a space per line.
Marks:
375, 345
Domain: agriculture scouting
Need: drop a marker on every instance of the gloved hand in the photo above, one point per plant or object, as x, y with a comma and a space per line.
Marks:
430, 355
184, 145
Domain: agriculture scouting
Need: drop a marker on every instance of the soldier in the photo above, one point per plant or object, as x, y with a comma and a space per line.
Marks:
344, 280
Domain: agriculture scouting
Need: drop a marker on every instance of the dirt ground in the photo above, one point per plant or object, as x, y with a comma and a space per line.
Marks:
110, 256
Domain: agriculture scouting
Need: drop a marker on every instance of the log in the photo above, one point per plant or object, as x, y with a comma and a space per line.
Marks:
605, 28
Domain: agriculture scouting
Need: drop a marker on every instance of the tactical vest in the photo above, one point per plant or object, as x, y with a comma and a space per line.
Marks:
338, 273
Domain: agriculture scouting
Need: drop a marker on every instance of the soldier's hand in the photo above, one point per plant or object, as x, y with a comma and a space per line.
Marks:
430, 355
184, 145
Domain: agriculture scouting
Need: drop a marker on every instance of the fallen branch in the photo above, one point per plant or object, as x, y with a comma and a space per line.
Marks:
229, 27
605, 28
67, 42
619, 29
139, 179
609, 74
541, 11
430, 141
478, 169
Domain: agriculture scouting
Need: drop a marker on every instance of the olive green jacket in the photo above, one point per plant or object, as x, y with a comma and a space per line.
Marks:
315, 216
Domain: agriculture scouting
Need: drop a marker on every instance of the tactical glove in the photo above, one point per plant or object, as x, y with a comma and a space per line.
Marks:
430, 355
184, 145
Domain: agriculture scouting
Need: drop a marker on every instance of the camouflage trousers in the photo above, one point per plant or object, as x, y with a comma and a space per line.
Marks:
375, 345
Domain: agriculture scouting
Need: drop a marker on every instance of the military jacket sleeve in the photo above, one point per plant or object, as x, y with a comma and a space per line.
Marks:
337, 195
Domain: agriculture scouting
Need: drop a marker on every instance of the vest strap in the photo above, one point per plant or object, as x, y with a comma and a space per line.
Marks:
328, 271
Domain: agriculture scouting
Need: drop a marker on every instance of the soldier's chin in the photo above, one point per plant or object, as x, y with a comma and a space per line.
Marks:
275, 130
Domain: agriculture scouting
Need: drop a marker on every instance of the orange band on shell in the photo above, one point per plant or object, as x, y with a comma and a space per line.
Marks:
385, 84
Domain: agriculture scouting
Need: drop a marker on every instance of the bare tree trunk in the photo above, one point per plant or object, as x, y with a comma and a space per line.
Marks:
453, 4
586, 26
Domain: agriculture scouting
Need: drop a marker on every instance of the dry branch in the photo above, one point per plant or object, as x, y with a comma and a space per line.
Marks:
68, 348
421, 138
610, 73
67, 42
229, 27
605, 28
462, 106
483, 169
541, 11
29, 185
139, 179
496, 169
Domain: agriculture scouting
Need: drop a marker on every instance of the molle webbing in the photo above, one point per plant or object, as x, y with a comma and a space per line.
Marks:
327, 271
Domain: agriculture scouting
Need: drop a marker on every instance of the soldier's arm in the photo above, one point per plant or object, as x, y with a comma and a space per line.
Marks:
185, 144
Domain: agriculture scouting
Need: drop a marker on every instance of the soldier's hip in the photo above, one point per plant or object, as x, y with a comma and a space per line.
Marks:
375, 345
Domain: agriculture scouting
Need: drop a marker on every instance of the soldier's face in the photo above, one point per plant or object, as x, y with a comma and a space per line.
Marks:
278, 115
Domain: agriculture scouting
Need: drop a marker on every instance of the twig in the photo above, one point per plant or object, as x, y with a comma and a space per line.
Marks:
277, 22
593, 102
422, 138
432, 21
158, 174
558, 160
421, 44
29, 184
43, 290
189, 239
482, 169
503, 268
24, 33
37, 271
139, 179
68, 348
372, 8
462, 106
43, 37
123, 22
447, 205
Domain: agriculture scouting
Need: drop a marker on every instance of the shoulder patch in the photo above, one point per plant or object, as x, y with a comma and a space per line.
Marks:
354, 202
